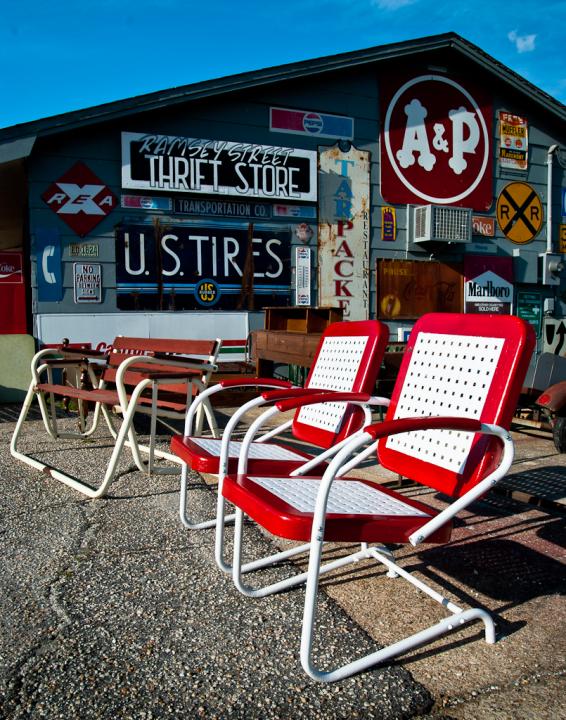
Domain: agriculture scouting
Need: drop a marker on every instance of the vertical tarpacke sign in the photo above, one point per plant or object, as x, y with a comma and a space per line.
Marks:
343, 231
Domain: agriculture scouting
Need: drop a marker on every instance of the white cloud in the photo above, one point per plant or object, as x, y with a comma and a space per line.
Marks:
523, 43
392, 4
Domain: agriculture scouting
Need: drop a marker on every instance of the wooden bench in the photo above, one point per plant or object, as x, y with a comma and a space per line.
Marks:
155, 376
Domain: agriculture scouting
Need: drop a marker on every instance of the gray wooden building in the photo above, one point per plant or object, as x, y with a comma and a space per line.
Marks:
415, 176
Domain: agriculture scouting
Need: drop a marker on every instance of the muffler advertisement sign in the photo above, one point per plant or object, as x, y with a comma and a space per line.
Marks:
188, 267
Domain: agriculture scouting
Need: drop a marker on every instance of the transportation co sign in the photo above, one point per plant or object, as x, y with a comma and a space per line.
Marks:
519, 212
217, 167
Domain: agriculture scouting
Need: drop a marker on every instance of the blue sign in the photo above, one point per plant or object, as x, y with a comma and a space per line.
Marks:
48, 265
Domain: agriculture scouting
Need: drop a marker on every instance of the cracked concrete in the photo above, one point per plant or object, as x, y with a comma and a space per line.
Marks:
111, 608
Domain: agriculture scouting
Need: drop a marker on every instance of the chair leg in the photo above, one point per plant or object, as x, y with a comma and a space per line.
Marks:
238, 569
125, 433
456, 621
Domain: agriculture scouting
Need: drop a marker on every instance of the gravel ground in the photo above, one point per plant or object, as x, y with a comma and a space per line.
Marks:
110, 608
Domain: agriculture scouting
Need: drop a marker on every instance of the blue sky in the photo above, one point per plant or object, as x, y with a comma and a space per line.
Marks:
62, 56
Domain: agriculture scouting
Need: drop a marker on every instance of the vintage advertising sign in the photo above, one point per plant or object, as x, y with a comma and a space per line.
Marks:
519, 212
87, 280
513, 142
80, 199
435, 143
302, 276
187, 267
143, 202
221, 208
11, 268
12, 294
488, 285
343, 232
309, 122
388, 224
406, 289
482, 225
562, 238
217, 167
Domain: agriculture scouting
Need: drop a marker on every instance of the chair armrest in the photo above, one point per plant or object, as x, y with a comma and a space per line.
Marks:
394, 427
322, 396
256, 381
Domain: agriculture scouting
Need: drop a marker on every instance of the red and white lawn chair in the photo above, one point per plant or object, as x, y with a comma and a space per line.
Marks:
447, 428
348, 358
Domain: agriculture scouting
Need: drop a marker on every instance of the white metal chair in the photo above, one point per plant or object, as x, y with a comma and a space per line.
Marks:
154, 376
447, 428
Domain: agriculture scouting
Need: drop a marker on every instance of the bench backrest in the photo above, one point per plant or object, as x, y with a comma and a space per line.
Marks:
456, 365
172, 349
348, 358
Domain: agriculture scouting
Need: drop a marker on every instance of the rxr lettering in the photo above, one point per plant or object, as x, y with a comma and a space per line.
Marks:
465, 134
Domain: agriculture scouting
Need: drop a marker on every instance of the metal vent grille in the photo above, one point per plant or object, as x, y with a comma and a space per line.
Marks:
443, 224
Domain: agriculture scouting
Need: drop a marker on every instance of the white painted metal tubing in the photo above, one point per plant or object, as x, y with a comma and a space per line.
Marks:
475, 492
399, 648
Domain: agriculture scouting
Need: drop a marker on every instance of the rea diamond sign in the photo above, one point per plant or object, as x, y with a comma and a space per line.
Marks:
80, 199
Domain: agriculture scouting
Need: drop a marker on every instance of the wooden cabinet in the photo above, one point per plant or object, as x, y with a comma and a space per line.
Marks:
301, 319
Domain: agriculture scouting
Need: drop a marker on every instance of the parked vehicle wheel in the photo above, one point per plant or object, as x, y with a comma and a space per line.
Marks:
559, 434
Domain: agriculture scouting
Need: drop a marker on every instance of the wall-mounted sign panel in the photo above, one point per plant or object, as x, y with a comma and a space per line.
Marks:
482, 225
12, 294
80, 199
89, 250
87, 282
406, 289
519, 212
435, 143
343, 231
217, 167
310, 122
190, 267
221, 208
513, 142
302, 276
488, 286
143, 202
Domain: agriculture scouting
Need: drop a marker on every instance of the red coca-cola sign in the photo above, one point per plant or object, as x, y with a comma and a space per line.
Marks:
436, 144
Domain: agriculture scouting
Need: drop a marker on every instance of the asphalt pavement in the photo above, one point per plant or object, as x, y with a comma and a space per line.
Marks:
110, 608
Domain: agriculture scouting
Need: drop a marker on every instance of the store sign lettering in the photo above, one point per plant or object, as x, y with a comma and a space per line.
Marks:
218, 167
194, 261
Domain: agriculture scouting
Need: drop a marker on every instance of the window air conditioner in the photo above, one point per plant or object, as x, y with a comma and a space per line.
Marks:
442, 224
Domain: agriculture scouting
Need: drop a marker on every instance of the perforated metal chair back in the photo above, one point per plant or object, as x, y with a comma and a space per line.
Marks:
459, 366
348, 358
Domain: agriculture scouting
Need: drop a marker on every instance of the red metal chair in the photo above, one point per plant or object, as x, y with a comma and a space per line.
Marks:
447, 428
348, 358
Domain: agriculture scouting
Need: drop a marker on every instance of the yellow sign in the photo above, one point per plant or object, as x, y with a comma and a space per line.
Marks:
562, 237
519, 212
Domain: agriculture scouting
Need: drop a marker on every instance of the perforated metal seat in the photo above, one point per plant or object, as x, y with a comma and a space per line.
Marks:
447, 428
347, 359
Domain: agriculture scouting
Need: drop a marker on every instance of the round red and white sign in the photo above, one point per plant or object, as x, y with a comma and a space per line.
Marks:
436, 145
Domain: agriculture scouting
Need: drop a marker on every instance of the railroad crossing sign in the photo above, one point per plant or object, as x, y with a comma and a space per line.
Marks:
519, 212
